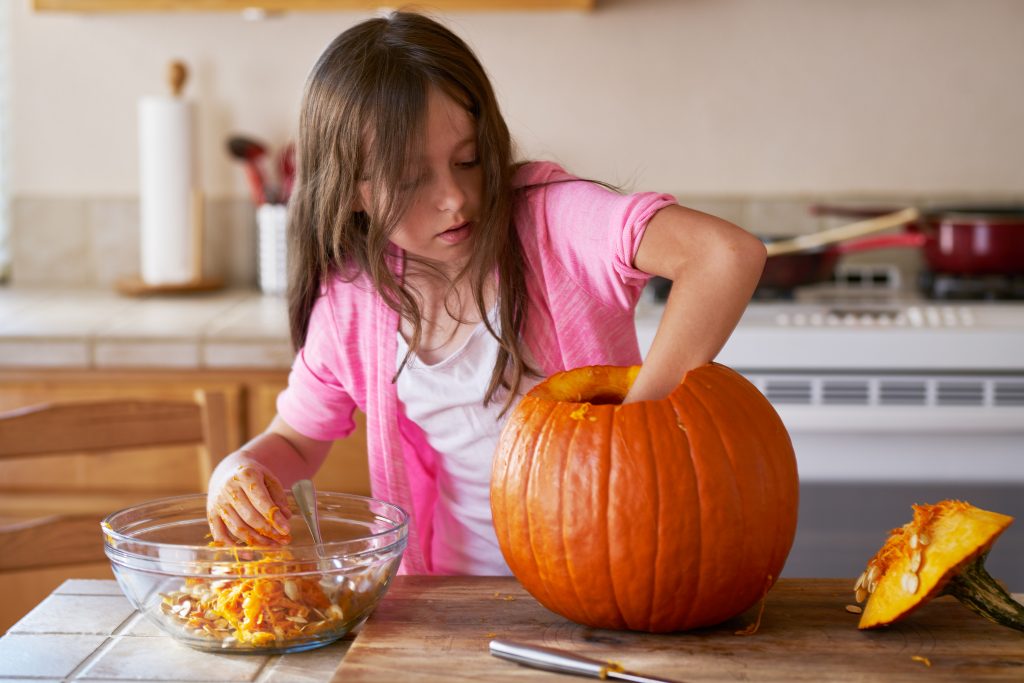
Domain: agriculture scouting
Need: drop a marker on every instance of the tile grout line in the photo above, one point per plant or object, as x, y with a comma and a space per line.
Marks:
265, 668
107, 644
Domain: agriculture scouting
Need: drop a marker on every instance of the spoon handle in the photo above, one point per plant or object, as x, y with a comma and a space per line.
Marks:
305, 498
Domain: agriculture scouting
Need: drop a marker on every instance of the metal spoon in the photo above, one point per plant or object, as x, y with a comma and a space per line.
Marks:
305, 499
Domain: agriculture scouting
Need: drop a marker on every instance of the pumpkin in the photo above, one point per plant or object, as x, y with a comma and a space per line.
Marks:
941, 551
654, 516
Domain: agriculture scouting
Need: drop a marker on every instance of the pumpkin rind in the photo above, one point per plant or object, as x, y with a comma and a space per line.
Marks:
655, 516
958, 536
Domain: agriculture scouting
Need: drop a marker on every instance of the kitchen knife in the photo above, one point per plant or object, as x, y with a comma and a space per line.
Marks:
550, 659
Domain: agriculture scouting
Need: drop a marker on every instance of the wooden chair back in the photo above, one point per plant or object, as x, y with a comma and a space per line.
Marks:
70, 533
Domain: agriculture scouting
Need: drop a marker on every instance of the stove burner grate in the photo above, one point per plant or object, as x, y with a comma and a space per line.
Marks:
952, 287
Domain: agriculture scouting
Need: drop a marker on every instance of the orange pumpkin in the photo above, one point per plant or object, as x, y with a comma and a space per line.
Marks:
654, 516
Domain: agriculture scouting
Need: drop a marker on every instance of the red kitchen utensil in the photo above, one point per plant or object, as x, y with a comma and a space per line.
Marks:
806, 259
965, 239
249, 152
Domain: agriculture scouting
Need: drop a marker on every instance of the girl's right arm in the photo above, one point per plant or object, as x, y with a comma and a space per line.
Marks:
246, 500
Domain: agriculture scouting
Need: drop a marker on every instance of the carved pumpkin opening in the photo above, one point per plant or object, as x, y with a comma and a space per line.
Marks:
599, 385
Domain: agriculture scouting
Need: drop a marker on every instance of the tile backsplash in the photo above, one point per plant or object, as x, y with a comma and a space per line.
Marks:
93, 242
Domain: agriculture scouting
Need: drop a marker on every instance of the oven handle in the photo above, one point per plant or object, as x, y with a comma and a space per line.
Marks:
902, 420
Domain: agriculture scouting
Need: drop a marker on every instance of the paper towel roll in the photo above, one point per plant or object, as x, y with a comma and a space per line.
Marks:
167, 180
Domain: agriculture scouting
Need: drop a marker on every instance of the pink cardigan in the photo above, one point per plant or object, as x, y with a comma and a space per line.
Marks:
578, 240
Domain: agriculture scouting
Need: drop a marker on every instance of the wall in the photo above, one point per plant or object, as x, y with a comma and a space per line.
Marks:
707, 96
703, 98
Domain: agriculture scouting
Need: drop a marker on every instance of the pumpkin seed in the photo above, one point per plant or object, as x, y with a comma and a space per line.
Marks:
910, 582
915, 561
861, 595
853, 609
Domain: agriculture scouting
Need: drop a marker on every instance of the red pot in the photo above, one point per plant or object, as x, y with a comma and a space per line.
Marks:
956, 240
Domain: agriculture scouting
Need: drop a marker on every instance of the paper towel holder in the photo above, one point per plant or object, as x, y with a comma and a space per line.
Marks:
177, 74
134, 285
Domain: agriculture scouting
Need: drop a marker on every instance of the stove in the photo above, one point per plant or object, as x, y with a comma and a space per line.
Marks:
891, 398
944, 286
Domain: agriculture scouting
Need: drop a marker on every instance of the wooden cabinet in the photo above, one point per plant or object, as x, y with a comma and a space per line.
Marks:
298, 5
77, 484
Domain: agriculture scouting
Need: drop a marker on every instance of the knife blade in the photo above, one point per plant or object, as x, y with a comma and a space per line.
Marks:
561, 661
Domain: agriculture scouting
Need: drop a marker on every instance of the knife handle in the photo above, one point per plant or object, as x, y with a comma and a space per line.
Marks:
550, 659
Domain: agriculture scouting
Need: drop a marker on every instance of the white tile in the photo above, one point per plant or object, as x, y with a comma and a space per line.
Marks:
312, 666
88, 587
255, 317
15, 300
50, 243
231, 241
68, 314
143, 353
45, 655
45, 353
163, 659
140, 626
171, 317
114, 234
238, 355
89, 614
779, 217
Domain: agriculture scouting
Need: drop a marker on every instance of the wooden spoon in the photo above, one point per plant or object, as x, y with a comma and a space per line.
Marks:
843, 232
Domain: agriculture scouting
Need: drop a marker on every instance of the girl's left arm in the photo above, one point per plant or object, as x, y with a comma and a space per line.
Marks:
714, 266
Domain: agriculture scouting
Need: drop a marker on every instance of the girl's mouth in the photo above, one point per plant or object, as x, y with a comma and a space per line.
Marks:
456, 233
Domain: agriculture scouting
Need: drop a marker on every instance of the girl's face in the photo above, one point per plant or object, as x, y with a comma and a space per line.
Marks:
446, 181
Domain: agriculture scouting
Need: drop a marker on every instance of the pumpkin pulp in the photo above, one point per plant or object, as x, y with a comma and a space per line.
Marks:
597, 385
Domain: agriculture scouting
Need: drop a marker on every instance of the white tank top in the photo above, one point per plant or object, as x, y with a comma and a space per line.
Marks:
445, 400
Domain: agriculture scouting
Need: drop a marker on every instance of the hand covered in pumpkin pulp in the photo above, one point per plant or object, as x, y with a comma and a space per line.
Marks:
247, 504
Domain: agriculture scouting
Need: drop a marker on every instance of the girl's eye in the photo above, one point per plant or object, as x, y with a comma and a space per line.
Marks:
472, 163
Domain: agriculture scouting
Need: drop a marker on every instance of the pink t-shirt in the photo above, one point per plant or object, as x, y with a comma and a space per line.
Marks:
578, 240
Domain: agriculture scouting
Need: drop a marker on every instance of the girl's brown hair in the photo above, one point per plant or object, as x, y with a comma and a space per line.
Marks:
362, 116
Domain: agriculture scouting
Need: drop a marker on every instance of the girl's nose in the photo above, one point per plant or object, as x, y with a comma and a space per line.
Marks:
450, 195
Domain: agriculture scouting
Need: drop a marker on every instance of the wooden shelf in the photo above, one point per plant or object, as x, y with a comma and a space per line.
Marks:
301, 5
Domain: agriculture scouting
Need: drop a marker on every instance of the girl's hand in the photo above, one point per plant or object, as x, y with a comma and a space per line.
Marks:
247, 504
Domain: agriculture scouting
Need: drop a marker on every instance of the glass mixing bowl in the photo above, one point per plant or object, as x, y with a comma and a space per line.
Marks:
256, 599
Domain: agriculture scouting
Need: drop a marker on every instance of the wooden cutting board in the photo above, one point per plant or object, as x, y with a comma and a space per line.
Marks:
432, 628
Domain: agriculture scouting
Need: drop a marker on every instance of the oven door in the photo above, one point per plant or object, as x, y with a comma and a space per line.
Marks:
869, 447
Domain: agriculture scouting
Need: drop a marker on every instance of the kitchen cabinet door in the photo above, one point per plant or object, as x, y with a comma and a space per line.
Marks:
297, 5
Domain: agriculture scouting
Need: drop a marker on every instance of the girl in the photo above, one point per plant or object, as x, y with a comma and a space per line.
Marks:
434, 281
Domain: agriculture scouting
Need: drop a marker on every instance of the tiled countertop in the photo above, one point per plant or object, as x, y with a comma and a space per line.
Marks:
87, 630
98, 329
